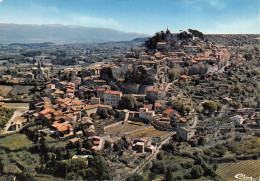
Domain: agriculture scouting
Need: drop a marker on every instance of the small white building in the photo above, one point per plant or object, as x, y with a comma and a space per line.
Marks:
50, 87
146, 114
112, 98
238, 119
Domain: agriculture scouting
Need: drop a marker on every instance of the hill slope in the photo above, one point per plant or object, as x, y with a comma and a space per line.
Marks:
18, 33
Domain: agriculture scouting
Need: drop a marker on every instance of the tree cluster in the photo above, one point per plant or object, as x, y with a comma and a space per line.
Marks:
158, 37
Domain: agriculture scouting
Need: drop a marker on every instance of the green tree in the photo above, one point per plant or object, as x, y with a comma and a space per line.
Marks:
104, 114
235, 105
158, 167
209, 106
135, 177
128, 102
152, 42
100, 168
248, 56
168, 175
197, 171
179, 106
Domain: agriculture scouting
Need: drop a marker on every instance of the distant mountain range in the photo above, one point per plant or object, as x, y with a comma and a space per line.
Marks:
28, 33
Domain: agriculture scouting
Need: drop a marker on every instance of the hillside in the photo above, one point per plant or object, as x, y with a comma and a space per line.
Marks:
18, 33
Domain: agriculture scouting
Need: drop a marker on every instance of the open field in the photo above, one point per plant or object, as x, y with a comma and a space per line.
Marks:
43, 177
149, 132
21, 89
4, 90
17, 105
251, 168
135, 130
15, 141
123, 128
51, 142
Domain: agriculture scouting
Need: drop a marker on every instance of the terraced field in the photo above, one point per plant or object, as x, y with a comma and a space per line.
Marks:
149, 132
251, 168
123, 128
4, 90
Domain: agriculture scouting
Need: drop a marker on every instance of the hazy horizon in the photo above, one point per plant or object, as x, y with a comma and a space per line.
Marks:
146, 16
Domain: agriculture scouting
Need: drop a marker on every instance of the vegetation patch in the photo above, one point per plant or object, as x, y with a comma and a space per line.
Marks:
5, 115
15, 141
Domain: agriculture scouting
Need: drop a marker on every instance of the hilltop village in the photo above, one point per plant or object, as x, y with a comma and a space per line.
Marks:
180, 97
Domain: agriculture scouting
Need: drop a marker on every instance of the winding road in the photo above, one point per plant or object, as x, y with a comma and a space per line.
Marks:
9, 123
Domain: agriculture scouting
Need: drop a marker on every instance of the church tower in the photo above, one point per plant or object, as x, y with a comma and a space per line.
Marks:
168, 35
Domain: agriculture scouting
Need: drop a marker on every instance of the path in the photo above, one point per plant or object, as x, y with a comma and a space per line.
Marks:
9, 123
140, 167
195, 122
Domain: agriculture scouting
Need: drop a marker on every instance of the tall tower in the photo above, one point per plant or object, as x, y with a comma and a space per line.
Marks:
168, 35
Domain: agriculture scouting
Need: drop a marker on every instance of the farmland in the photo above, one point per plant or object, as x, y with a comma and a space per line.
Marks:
18, 106
149, 132
15, 141
123, 128
4, 90
251, 168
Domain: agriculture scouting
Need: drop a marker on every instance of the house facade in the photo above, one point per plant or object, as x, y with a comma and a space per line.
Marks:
112, 98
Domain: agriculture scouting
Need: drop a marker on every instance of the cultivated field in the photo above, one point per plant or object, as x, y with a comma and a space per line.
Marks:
119, 129
251, 168
4, 90
17, 105
149, 132
15, 141
21, 89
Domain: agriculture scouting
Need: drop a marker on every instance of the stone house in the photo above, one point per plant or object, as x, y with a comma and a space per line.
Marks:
168, 113
100, 93
146, 114
238, 119
97, 142
112, 98
185, 133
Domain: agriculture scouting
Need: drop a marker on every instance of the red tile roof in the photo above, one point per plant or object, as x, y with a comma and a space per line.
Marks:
168, 111
45, 111
101, 90
113, 92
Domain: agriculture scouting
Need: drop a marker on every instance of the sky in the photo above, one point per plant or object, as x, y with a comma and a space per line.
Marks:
142, 16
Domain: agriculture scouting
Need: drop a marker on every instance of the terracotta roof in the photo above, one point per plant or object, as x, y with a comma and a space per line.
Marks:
177, 115
78, 103
45, 111
113, 92
165, 119
50, 84
62, 126
161, 43
94, 147
152, 90
96, 142
183, 120
94, 137
91, 106
168, 111
185, 77
157, 105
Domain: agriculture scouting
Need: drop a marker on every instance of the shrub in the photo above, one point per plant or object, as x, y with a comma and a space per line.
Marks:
172, 168
158, 167
196, 171
135, 177
186, 164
